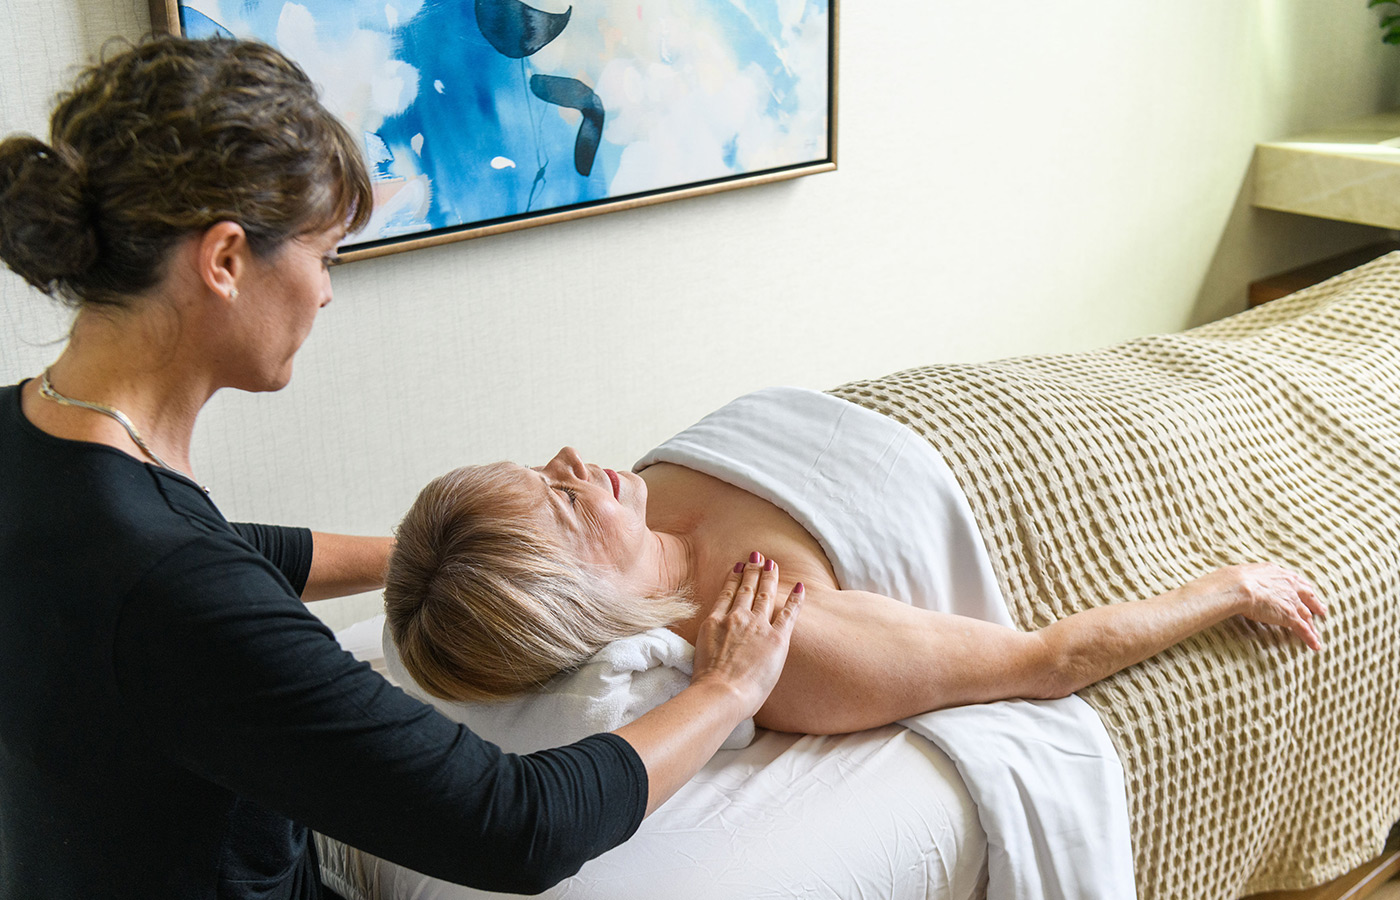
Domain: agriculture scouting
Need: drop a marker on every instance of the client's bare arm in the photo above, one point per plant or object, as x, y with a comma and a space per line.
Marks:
738, 657
859, 660
1094, 644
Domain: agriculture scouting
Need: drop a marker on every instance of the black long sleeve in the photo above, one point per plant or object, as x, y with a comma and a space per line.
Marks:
174, 719
241, 688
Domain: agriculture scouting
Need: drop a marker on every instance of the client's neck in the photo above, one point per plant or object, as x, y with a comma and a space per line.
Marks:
673, 563
688, 565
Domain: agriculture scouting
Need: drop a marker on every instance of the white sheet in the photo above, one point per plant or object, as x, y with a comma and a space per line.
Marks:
882, 503
882, 813
893, 520
879, 814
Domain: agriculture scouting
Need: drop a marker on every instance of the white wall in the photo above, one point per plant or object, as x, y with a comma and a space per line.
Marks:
1014, 179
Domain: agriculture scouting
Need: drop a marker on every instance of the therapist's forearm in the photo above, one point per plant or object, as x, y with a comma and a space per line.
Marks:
343, 564
677, 738
740, 649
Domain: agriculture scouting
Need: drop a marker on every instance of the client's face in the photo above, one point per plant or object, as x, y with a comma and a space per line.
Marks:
599, 513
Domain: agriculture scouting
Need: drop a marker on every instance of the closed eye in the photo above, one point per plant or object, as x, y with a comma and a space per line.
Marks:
570, 493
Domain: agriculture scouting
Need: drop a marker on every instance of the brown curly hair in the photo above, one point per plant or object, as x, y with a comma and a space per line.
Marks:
163, 140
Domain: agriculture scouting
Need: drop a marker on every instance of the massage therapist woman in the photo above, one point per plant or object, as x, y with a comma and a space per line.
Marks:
173, 719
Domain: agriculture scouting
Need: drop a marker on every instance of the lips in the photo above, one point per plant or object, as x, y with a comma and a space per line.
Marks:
616, 483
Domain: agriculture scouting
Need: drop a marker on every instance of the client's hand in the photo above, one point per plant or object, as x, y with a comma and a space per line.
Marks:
743, 642
1269, 594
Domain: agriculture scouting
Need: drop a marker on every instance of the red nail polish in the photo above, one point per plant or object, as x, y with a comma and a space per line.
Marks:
769, 566
798, 588
755, 557
738, 567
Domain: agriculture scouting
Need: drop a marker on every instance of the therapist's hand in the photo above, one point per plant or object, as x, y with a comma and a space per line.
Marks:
739, 653
743, 643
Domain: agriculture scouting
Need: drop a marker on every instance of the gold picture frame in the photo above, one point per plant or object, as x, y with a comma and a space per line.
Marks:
609, 116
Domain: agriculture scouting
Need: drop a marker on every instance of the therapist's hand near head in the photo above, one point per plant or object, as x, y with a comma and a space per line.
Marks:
187, 205
738, 658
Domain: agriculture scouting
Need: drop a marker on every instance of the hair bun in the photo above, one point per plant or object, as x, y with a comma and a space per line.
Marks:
46, 230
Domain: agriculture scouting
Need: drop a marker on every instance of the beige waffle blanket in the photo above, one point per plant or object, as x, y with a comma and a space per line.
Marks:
1252, 763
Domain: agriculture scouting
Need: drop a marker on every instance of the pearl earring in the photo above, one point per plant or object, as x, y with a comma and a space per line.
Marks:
233, 293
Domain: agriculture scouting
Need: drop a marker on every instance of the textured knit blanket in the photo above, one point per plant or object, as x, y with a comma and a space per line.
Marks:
1252, 763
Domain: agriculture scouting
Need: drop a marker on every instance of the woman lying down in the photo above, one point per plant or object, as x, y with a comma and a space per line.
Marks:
506, 575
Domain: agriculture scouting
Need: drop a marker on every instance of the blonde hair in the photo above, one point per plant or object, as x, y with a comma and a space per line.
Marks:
483, 605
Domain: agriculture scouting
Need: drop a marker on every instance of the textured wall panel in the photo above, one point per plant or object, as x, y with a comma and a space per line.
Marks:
1004, 188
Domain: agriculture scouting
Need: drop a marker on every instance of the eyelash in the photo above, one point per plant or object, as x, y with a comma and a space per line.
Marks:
571, 494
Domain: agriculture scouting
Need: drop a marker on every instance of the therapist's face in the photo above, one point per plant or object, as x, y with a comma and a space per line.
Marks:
597, 513
278, 300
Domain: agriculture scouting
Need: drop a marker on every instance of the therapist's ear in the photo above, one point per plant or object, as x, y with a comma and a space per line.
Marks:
222, 257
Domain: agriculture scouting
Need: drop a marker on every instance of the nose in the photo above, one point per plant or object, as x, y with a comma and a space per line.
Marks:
567, 461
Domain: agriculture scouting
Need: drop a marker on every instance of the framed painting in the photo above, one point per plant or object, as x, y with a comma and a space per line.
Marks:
481, 116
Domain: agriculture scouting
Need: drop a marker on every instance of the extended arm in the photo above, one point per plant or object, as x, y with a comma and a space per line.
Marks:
344, 564
859, 660
1091, 645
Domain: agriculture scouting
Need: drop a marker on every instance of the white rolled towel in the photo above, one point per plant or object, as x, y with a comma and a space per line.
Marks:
625, 680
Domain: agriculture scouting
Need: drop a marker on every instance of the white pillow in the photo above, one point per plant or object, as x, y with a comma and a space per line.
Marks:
624, 681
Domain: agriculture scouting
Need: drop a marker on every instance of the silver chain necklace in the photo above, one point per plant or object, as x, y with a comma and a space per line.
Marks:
46, 390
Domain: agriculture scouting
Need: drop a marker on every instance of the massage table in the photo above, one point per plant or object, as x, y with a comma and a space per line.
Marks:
881, 813
1251, 764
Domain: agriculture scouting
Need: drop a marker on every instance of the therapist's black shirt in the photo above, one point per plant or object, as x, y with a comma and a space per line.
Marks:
173, 719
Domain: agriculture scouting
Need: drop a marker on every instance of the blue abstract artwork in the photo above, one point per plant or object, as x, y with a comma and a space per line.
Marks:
476, 112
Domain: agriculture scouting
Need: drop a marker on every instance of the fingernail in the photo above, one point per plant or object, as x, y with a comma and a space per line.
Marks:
769, 566
755, 557
738, 567
798, 588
